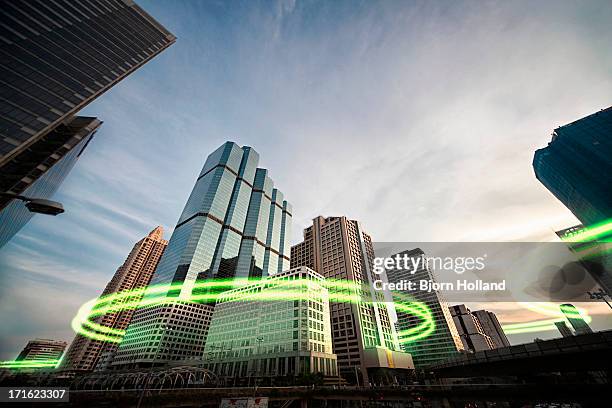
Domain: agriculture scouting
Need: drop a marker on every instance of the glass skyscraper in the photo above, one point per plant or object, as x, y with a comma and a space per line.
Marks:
235, 224
444, 342
576, 167
57, 57
56, 156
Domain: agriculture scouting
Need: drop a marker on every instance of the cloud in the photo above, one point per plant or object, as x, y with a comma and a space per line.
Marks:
418, 119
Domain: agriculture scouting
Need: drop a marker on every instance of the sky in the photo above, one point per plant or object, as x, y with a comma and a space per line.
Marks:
417, 118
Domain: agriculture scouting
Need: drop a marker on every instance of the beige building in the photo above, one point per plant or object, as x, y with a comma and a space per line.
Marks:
136, 272
364, 339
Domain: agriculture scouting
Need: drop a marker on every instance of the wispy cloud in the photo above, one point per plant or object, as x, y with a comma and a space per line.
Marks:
419, 119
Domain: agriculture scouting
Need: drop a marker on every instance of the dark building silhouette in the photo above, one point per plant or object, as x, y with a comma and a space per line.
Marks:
564, 329
575, 318
576, 166
47, 164
42, 349
57, 57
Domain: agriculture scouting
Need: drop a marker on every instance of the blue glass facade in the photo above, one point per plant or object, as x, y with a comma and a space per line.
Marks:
576, 166
49, 173
234, 224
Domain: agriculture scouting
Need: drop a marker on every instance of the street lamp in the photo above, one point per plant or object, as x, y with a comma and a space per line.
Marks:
38, 205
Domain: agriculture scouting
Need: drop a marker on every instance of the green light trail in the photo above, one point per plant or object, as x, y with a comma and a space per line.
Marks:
593, 233
210, 290
29, 364
340, 291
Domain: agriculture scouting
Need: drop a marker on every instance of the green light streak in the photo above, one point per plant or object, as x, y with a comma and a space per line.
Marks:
591, 233
211, 290
29, 364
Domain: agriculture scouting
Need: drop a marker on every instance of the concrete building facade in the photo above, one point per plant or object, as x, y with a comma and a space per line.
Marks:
364, 338
135, 273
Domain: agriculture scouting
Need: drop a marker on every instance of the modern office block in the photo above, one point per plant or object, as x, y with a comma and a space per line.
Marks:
491, 327
57, 57
575, 319
40, 172
364, 338
444, 342
576, 167
135, 273
253, 338
564, 329
235, 224
167, 333
470, 330
42, 349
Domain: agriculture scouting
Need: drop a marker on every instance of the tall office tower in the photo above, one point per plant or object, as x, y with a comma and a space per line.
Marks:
564, 329
57, 57
278, 337
576, 167
40, 171
471, 332
491, 327
575, 319
444, 342
235, 224
42, 349
135, 273
364, 338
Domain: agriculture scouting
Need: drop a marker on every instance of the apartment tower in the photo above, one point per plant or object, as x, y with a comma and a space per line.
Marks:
135, 273
470, 331
42, 349
364, 339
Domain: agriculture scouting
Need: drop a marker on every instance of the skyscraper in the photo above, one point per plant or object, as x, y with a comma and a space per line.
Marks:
363, 336
136, 272
444, 342
564, 329
575, 319
470, 330
491, 327
279, 337
52, 157
576, 167
42, 349
234, 224
57, 57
